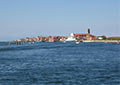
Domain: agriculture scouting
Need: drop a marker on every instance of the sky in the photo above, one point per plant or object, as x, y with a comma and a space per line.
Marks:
32, 18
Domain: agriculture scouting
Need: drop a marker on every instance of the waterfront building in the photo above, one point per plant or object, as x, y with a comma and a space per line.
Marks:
85, 36
114, 38
62, 39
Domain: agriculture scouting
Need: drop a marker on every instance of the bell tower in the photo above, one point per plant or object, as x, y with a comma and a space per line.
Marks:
88, 30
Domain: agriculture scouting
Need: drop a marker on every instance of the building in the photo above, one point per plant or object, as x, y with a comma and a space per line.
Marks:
85, 36
114, 38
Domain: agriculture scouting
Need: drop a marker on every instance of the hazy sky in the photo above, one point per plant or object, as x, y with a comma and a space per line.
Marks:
30, 18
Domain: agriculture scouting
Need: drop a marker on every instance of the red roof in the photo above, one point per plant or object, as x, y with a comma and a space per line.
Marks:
81, 34
114, 37
84, 34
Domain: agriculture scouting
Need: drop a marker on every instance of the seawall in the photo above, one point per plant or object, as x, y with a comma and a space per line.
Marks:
105, 41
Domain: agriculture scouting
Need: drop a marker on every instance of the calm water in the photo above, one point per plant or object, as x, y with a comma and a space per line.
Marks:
60, 64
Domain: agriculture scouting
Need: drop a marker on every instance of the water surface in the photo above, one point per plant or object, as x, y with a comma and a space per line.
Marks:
60, 64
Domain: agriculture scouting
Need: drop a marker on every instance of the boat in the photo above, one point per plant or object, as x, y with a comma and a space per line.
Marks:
71, 38
87, 41
77, 42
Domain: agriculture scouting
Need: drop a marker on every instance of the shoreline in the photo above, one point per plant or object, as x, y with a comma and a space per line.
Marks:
77, 42
105, 41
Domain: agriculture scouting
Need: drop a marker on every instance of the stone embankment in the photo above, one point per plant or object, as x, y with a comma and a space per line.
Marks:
105, 41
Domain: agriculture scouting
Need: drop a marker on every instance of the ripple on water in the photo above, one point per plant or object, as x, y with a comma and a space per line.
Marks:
60, 64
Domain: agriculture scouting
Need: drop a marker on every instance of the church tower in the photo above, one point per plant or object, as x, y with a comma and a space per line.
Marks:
89, 34
88, 30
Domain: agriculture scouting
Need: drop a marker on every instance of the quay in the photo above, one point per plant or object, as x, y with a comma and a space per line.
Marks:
105, 41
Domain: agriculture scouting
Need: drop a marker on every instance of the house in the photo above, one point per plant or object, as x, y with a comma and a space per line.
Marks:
114, 38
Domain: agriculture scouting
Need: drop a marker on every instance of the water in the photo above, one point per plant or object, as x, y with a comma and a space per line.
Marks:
60, 64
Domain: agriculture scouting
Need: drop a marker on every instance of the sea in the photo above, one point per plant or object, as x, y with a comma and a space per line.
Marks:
57, 63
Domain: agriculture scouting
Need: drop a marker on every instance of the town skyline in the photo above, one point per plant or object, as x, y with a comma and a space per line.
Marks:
65, 35
28, 18
73, 37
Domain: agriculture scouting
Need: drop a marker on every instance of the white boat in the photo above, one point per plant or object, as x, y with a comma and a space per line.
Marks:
71, 38
87, 41
77, 42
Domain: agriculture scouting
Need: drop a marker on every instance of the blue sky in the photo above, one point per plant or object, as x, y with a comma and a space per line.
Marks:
30, 18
